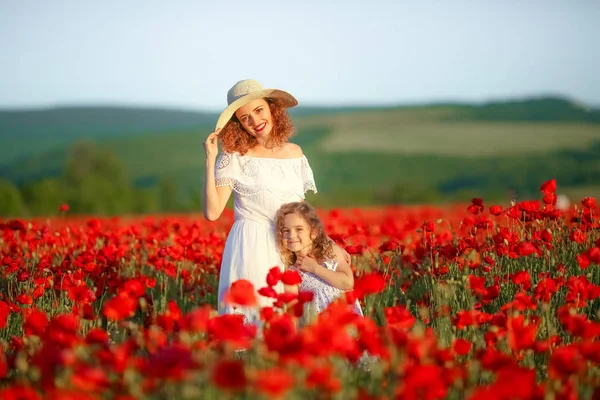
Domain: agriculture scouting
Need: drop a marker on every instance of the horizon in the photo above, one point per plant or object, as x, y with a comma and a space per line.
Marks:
433, 103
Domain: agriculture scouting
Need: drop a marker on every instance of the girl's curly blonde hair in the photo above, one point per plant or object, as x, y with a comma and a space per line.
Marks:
235, 138
322, 246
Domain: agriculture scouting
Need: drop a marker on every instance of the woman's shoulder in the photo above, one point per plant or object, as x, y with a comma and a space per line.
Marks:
292, 150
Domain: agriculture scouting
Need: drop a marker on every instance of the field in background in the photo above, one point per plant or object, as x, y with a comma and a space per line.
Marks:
468, 139
360, 156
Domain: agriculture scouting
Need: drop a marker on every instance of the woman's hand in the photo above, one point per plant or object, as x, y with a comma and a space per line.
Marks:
306, 263
211, 146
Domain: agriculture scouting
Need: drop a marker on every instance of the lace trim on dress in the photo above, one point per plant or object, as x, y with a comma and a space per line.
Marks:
252, 190
249, 176
310, 185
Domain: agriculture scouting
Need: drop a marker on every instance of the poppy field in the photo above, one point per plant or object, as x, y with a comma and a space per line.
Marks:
469, 301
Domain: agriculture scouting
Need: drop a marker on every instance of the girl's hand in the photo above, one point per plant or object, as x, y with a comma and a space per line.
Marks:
211, 147
306, 264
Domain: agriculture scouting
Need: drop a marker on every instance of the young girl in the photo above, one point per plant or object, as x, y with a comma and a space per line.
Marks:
304, 246
263, 171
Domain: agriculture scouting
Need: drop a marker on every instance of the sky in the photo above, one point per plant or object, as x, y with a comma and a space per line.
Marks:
187, 54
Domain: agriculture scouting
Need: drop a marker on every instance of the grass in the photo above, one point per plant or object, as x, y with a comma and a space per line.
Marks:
464, 139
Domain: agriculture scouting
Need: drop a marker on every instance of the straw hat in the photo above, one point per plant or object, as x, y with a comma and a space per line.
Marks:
247, 91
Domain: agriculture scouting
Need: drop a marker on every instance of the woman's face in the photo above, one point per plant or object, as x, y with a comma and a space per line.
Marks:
256, 118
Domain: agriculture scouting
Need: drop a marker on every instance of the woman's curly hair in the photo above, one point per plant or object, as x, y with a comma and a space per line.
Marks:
235, 138
322, 246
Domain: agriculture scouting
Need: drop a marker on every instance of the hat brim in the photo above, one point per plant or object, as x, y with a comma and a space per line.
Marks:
288, 102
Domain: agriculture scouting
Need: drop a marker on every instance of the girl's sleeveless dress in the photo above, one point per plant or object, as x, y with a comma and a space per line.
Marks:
324, 293
260, 187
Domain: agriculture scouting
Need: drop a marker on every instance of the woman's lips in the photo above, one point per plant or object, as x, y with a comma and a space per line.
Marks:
260, 127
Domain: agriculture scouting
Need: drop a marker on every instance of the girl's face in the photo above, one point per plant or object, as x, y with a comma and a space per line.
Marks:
256, 118
297, 235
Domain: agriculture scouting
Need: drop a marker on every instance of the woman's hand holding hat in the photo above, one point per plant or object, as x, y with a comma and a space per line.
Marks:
211, 147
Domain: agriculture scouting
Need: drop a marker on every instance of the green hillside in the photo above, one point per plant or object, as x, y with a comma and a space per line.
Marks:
27, 132
24, 133
360, 155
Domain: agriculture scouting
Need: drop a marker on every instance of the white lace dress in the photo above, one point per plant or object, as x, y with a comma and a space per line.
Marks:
324, 293
260, 187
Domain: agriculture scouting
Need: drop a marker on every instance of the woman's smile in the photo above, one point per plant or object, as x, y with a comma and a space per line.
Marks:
260, 128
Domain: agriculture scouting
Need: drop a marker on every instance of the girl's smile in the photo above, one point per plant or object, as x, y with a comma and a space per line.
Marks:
296, 233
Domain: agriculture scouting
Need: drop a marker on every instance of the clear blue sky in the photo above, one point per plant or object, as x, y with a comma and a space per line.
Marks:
187, 54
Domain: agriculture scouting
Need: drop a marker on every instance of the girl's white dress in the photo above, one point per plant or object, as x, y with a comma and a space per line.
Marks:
324, 293
260, 187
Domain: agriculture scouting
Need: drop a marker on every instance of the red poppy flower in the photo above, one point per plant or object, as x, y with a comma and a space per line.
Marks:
549, 187
35, 322
274, 276
291, 277
589, 202
241, 293
273, 382
229, 375
120, 307
462, 347
305, 296
526, 249
4, 313
268, 291
25, 299
399, 317
369, 283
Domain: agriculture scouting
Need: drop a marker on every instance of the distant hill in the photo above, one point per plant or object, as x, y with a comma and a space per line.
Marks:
28, 132
99, 122
546, 109
360, 155
157, 144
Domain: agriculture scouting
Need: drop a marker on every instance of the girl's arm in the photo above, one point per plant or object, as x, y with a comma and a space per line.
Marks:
290, 289
342, 278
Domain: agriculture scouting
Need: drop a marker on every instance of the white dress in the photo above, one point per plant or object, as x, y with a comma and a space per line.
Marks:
323, 292
260, 187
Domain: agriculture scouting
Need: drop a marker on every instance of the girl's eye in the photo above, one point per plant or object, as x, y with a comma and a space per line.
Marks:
258, 110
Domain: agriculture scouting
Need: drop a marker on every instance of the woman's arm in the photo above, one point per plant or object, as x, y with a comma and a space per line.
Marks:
214, 198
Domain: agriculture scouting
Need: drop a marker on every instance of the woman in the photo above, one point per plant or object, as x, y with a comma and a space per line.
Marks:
264, 171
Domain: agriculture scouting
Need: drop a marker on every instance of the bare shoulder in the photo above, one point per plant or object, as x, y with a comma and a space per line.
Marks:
340, 254
293, 150
337, 251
